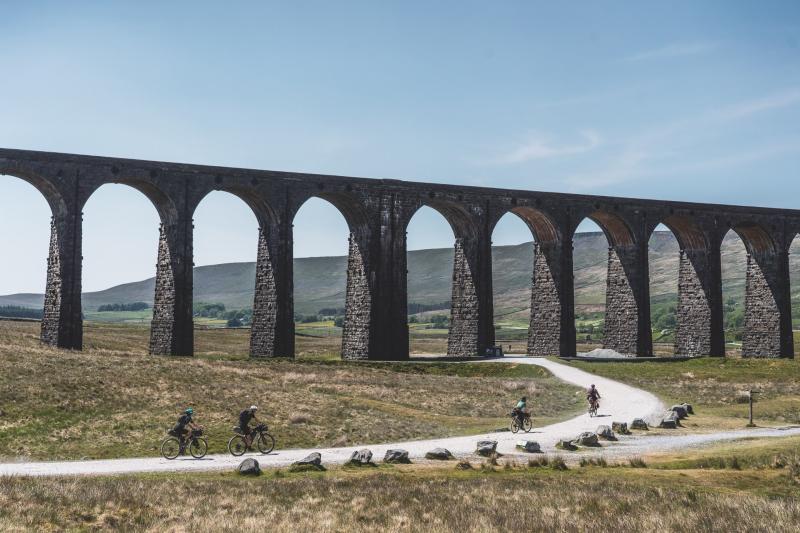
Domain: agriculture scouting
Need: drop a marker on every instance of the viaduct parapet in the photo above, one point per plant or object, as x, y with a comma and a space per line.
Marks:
377, 212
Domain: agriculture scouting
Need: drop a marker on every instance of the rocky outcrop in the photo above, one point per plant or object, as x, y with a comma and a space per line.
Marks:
249, 467
361, 458
486, 447
620, 428
396, 457
639, 423
312, 461
586, 439
566, 445
670, 421
605, 432
679, 410
439, 454
529, 446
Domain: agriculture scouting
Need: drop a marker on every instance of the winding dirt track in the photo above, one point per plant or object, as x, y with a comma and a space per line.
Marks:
620, 403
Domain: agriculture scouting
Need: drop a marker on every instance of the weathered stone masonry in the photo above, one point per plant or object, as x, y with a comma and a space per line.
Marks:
378, 212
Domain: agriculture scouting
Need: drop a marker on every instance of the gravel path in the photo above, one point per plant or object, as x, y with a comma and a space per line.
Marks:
620, 402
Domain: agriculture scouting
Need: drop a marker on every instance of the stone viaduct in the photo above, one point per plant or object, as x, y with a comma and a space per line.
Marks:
378, 212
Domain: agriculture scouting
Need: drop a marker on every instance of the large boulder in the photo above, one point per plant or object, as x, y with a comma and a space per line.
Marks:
566, 445
312, 461
439, 454
639, 423
620, 427
396, 457
529, 446
670, 421
679, 410
688, 408
586, 439
360, 458
249, 467
605, 432
486, 447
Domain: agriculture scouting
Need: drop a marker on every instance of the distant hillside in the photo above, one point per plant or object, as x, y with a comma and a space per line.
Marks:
320, 281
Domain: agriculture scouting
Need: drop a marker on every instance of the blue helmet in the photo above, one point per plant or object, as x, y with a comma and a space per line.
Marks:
189, 411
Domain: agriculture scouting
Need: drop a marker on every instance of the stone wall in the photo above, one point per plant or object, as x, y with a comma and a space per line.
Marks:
761, 336
51, 319
262, 332
622, 312
462, 339
544, 332
358, 304
693, 313
163, 323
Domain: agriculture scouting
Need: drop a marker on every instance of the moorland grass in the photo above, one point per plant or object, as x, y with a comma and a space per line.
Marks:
411, 498
113, 400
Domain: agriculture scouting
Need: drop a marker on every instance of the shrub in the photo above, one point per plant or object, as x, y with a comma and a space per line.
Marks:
637, 462
538, 462
557, 463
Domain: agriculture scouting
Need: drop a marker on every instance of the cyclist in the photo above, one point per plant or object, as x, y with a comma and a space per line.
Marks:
184, 424
521, 409
592, 395
245, 417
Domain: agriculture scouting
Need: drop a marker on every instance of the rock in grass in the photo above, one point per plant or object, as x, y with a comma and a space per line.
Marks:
566, 445
249, 467
639, 423
486, 447
670, 421
439, 454
679, 410
605, 432
361, 458
529, 446
586, 439
312, 461
620, 427
396, 457
688, 408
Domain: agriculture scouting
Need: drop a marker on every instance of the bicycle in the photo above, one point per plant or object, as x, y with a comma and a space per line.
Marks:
523, 422
259, 436
593, 405
173, 446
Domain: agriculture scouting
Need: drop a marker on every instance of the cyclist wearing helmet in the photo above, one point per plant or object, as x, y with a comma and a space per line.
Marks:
245, 417
185, 423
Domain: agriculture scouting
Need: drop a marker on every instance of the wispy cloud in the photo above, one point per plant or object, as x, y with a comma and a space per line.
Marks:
768, 103
538, 146
657, 152
673, 50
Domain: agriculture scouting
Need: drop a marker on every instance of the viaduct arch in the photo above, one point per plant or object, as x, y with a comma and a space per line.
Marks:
377, 212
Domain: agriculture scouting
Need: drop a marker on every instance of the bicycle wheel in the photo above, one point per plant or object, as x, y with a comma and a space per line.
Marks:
237, 446
527, 424
265, 443
170, 448
198, 448
514, 425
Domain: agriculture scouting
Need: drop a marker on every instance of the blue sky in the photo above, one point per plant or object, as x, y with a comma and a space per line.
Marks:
682, 100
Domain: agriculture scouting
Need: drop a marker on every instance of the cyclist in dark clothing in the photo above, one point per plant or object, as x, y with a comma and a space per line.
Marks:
245, 417
185, 423
592, 395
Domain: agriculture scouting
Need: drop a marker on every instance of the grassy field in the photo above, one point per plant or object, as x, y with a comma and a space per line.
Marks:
113, 400
716, 386
760, 495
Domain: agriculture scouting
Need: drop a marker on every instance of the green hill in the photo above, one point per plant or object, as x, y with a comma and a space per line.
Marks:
320, 281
